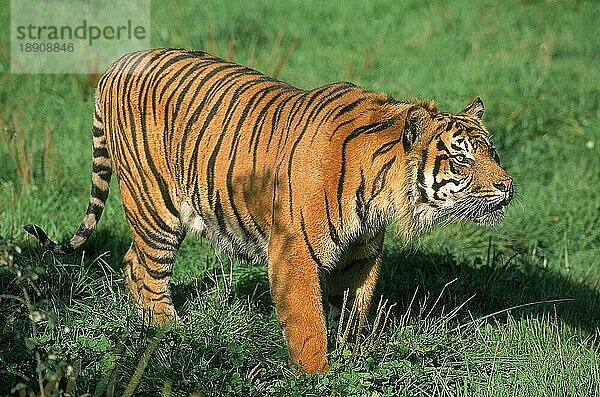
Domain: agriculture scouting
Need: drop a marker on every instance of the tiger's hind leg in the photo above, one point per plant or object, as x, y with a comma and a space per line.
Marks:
148, 264
148, 281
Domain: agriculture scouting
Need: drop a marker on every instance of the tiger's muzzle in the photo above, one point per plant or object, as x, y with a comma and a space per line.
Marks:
505, 187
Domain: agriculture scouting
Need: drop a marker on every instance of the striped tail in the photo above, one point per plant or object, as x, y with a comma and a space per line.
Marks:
101, 173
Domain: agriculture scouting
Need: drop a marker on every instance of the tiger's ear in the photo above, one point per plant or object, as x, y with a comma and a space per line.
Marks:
414, 126
475, 109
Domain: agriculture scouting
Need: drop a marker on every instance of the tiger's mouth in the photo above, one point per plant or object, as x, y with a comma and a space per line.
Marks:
491, 218
480, 211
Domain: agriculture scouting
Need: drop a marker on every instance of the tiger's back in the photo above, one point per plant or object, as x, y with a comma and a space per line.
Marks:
186, 104
223, 146
305, 181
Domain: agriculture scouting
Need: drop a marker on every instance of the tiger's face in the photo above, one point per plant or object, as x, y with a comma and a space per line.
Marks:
458, 170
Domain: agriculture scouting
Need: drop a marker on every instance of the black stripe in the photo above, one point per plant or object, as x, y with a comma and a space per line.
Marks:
100, 152
169, 123
151, 236
191, 68
348, 108
287, 128
191, 101
261, 118
241, 123
105, 176
173, 76
148, 215
157, 274
421, 177
210, 171
385, 148
228, 118
97, 114
328, 114
332, 230
101, 169
339, 127
84, 232
192, 169
380, 179
441, 146
166, 196
437, 165
309, 246
277, 116
99, 193
97, 132
220, 215
167, 259
163, 294
362, 205
438, 185
290, 160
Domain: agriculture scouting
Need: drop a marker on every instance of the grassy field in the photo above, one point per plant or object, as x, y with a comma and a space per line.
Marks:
508, 311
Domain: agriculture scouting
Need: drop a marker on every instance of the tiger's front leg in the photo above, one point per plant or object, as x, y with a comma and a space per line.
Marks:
294, 280
357, 279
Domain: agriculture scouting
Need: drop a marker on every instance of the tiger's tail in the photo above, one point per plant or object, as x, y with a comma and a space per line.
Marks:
101, 174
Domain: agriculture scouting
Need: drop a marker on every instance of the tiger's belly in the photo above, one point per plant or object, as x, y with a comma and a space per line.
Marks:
245, 244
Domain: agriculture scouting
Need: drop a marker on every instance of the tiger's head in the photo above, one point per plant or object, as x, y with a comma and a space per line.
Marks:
455, 171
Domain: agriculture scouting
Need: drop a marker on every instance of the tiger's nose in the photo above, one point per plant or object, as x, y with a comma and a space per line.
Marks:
505, 187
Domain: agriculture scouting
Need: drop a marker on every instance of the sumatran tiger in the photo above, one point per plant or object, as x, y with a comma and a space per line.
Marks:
304, 181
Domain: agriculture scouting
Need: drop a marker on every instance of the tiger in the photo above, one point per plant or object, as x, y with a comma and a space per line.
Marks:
304, 181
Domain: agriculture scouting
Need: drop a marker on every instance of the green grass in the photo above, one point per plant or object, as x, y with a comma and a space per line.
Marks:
522, 316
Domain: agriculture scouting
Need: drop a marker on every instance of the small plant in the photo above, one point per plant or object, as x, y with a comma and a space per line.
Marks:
28, 296
22, 146
350, 331
29, 306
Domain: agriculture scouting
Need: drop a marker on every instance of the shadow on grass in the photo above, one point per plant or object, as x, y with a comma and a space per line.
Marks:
496, 284
103, 240
250, 283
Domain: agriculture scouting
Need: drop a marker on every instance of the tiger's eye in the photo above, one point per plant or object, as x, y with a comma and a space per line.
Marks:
461, 159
